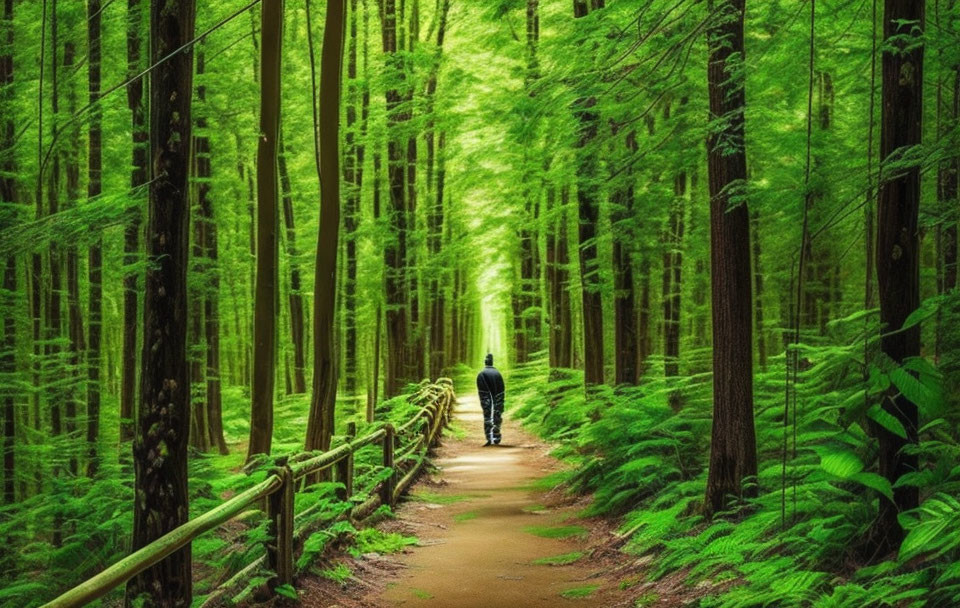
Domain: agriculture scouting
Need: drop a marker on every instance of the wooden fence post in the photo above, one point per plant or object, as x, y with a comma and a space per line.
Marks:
345, 467
386, 490
427, 430
280, 529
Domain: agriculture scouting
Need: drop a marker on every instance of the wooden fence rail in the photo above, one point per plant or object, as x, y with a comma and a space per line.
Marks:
421, 433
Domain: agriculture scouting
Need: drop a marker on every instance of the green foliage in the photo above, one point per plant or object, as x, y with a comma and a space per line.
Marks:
556, 531
559, 560
644, 459
579, 592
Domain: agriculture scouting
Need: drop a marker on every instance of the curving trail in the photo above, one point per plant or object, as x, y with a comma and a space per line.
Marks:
476, 520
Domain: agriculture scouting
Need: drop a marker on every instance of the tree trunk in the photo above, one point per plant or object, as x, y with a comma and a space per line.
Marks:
295, 299
672, 268
320, 425
758, 291
95, 253
352, 167
265, 313
898, 251
733, 453
588, 206
626, 356
398, 371
71, 394
163, 420
8, 217
131, 233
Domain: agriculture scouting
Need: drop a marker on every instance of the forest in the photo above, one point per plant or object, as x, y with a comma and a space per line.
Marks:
711, 244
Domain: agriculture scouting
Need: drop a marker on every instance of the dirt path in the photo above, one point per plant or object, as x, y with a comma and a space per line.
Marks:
482, 527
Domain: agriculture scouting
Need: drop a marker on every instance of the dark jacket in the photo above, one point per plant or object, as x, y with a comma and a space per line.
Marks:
490, 387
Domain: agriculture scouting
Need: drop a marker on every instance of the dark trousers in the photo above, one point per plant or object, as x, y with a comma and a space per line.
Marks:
492, 418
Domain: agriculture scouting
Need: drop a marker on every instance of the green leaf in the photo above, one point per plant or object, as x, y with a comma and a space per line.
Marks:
926, 310
286, 591
874, 482
839, 461
914, 390
887, 420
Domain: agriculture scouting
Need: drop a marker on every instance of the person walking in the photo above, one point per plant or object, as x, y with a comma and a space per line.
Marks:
491, 390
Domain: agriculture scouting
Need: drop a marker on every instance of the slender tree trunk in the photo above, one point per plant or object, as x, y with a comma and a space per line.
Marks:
644, 345
898, 252
398, 371
320, 425
95, 253
54, 329
265, 314
351, 169
71, 394
758, 291
562, 287
672, 268
163, 420
131, 234
588, 205
295, 299
8, 216
733, 453
196, 347
626, 357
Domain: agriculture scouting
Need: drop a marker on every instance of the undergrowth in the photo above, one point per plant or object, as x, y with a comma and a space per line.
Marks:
643, 453
96, 514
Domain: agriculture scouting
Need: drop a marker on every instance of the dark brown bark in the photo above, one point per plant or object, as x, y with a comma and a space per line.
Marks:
398, 368
265, 303
352, 166
8, 199
320, 424
588, 206
295, 298
436, 154
733, 453
206, 235
131, 234
95, 253
163, 420
898, 251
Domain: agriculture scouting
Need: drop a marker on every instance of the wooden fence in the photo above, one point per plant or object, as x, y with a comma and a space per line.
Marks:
410, 441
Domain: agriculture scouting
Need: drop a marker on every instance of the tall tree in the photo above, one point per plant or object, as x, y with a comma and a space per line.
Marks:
8, 200
163, 420
265, 314
398, 370
588, 205
352, 171
131, 231
626, 357
211, 295
321, 421
295, 299
733, 452
898, 251
558, 280
95, 253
